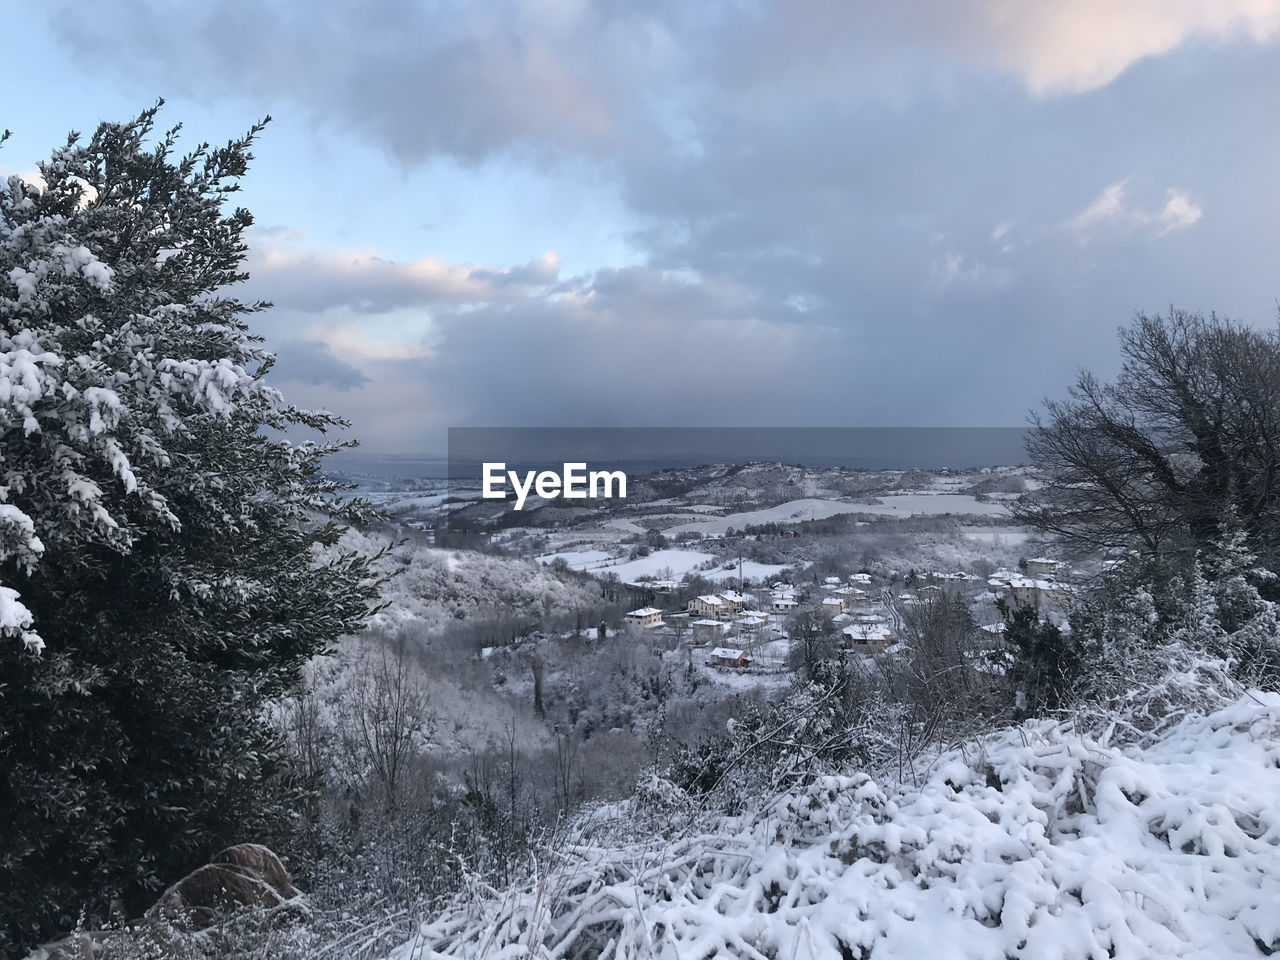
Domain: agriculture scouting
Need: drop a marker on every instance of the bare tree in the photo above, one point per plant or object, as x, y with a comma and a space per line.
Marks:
936, 676
1190, 427
813, 639
384, 718
538, 669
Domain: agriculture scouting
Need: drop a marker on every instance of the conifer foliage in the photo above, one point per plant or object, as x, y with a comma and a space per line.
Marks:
168, 559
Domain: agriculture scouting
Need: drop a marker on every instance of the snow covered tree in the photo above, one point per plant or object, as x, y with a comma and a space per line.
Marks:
167, 556
1046, 661
1248, 620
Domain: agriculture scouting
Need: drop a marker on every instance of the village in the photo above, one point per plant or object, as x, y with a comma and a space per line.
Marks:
751, 629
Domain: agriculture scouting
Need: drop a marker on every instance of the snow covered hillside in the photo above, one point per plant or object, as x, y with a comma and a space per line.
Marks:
1036, 842
437, 588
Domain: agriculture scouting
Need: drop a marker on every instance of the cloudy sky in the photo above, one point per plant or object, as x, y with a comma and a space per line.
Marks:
816, 212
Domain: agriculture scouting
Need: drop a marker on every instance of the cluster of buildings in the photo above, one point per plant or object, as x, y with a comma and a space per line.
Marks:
733, 625
1037, 586
732, 619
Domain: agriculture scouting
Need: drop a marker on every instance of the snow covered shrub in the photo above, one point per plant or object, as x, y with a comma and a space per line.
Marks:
157, 536
1033, 842
1157, 643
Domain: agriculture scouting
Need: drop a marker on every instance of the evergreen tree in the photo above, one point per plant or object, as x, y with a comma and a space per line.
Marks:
1248, 620
1046, 661
171, 554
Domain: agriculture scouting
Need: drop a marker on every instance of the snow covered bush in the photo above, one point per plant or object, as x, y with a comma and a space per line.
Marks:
156, 530
1033, 842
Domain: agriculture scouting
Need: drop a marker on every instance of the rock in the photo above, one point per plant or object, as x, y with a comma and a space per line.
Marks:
246, 875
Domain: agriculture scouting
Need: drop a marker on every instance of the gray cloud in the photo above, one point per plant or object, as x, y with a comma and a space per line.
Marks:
312, 362
849, 212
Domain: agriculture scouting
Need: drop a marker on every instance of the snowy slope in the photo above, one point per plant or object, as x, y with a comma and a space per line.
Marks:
797, 511
1036, 843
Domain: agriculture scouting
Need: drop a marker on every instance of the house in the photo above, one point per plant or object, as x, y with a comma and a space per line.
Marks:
761, 615
871, 620
861, 579
867, 638
953, 582
833, 605
784, 604
710, 630
728, 657
733, 601
831, 581
1042, 567
708, 605
645, 617
1029, 591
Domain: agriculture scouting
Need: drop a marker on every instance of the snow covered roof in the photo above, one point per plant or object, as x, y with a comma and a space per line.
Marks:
728, 653
864, 631
644, 612
711, 600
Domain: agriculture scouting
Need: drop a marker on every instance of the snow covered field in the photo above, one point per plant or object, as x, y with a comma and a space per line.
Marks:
900, 505
670, 562
1036, 842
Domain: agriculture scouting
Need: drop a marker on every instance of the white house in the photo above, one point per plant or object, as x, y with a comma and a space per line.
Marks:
711, 630
1031, 591
784, 604
833, 604
708, 605
645, 617
867, 638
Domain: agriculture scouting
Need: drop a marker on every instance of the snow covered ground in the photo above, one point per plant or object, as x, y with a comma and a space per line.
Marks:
899, 505
670, 562
1036, 842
